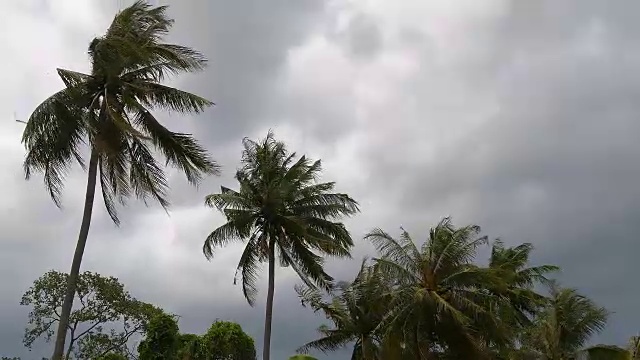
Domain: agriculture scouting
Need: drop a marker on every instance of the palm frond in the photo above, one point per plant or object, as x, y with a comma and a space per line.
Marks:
52, 137
334, 341
156, 96
390, 248
181, 150
147, 178
248, 268
235, 229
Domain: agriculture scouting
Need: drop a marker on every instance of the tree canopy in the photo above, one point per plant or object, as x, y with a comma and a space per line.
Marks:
103, 321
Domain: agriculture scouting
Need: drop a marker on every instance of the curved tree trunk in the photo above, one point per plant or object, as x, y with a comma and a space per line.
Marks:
72, 281
266, 346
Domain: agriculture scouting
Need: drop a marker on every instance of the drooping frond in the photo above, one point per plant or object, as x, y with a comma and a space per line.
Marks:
248, 267
180, 150
52, 137
235, 229
147, 178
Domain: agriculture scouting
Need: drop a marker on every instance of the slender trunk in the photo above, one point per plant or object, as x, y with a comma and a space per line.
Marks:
72, 281
70, 347
266, 347
365, 348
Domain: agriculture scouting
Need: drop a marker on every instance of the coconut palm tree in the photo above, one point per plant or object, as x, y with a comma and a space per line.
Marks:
356, 310
109, 111
441, 305
280, 210
517, 287
562, 330
511, 265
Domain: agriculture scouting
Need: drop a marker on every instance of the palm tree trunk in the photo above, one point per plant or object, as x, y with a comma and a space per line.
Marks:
72, 281
266, 346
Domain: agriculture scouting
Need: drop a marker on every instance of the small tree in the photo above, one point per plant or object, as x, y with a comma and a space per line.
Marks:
162, 339
103, 320
227, 341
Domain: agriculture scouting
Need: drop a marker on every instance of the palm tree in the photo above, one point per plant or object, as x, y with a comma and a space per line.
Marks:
280, 208
109, 111
517, 287
442, 306
561, 331
356, 311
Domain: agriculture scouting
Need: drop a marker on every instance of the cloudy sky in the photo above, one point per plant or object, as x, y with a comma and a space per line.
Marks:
520, 116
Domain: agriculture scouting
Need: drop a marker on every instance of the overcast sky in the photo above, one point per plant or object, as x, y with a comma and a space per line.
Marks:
520, 116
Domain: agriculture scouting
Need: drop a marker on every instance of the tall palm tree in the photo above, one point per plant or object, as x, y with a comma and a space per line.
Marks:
561, 331
356, 310
280, 209
109, 111
442, 306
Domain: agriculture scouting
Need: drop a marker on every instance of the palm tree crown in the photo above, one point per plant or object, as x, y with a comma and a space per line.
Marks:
110, 110
441, 302
356, 310
562, 330
280, 203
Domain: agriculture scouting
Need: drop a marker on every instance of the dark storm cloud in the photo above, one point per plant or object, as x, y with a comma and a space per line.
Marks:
247, 44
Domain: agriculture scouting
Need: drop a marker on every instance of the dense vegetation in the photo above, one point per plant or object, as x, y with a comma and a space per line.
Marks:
412, 300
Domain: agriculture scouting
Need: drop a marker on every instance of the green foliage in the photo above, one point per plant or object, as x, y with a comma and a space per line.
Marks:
280, 204
162, 339
104, 319
223, 341
191, 347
